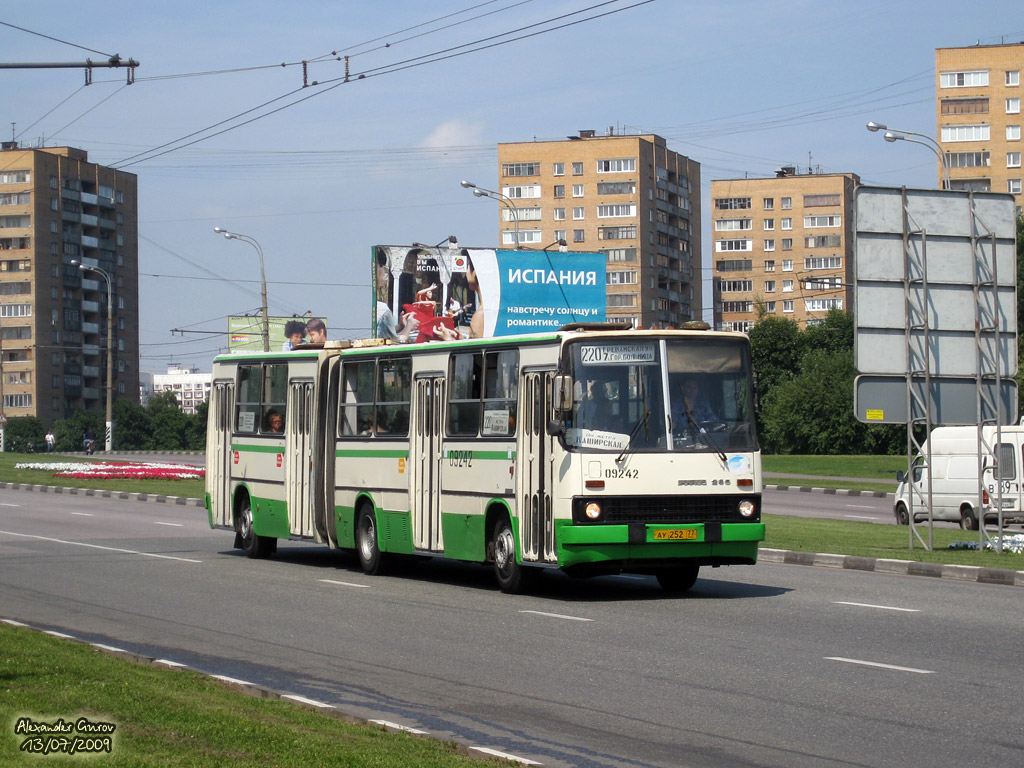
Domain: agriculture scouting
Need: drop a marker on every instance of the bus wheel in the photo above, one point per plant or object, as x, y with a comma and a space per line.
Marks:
902, 516
968, 519
370, 557
254, 546
679, 578
508, 572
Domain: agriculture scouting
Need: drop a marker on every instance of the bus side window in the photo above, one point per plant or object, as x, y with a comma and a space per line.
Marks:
501, 390
247, 415
394, 386
275, 397
464, 380
357, 399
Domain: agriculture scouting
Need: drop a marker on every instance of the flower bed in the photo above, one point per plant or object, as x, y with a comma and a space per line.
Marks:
118, 470
1014, 544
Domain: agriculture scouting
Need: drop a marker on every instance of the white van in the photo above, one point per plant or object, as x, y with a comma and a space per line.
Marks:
954, 474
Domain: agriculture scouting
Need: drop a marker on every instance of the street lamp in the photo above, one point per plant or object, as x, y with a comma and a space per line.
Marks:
109, 443
504, 199
263, 279
902, 135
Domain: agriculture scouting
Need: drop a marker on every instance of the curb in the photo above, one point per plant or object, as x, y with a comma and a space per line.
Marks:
181, 501
974, 573
830, 491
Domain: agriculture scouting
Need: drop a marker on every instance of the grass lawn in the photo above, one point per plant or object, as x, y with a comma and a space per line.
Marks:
189, 488
178, 718
868, 467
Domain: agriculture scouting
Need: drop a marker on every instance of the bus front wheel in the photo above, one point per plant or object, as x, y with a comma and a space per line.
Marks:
679, 578
367, 547
253, 544
507, 571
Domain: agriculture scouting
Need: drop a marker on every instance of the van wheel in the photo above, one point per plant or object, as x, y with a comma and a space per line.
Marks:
367, 547
968, 519
902, 516
254, 546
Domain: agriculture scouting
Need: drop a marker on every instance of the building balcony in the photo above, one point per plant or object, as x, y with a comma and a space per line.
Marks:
89, 198
70, 194
106, 223
91, 393
89, 220
90, 285
91, 371
70, 216
91, 328
89, 241
93, 307
91, 350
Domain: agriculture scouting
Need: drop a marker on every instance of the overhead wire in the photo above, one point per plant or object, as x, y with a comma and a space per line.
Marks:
55, 39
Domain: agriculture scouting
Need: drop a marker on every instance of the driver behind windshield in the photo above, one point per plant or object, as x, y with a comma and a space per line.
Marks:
692, 410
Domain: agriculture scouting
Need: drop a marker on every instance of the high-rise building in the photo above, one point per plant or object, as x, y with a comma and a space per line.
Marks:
56, 207
629, 197
782, 246
978, 98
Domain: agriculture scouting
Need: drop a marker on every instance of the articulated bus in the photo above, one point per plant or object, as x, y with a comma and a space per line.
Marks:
592, 449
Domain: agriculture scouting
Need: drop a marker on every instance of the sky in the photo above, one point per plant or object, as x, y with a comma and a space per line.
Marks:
224, 128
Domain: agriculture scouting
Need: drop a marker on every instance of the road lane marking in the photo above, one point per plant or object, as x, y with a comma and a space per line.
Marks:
862, 517
58, 634
880, 607
399, 727
505, 755
304, 700
557, 615
10, 505
83, 514
344, 583
175, 525
230, 680
881, 666
13, 623
110, 648
168, 663
97, 546
858, 506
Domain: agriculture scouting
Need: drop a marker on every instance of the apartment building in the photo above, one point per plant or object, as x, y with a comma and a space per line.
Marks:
782, 246
189, 385
628, 197
55, 207
978, 101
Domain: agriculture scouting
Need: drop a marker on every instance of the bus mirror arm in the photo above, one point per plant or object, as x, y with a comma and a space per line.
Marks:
556, 427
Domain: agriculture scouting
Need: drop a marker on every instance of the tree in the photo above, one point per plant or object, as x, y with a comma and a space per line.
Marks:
70, 432
195, 429
775, 348
24, 434
133, 427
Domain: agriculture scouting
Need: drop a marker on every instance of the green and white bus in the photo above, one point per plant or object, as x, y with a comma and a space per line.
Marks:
574, 449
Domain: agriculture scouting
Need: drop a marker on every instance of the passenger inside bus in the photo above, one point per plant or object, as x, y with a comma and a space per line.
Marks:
274, 422
594, 409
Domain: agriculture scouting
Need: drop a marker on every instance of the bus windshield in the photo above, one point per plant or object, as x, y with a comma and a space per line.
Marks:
656, 395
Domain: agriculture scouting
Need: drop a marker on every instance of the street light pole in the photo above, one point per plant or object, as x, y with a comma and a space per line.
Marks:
263, 280
109, 442
898, 134
504, 199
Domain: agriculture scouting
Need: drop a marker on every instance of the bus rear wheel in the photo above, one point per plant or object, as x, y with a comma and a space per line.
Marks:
507, 571
367, 548
678, 578
254, 545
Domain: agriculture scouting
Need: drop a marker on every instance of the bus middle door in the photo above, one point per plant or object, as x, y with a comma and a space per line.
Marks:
534, 451
425, 462
299, 462
219, 464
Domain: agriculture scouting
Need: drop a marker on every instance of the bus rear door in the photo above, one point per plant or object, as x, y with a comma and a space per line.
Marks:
219, 455
425, 462
535, 465
299, 452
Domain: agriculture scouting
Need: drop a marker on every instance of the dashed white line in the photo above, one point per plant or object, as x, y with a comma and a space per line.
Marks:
505, 755
344, 583
97, 546
10, 505
858, 506
862, 517
557, 615
174, 525
304, 700
880, 607
399, 727
876, 664
83, 514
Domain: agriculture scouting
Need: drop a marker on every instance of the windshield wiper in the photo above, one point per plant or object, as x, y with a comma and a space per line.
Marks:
642, 421
703, 436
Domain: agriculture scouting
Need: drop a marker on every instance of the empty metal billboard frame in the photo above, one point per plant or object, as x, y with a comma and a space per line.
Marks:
935, 317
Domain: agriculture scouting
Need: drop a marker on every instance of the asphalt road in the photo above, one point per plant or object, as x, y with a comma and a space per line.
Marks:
771, 665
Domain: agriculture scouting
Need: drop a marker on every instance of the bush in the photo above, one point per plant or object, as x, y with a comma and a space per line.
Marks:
24, 434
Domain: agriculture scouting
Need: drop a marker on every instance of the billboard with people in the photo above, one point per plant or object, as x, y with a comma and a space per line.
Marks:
424, 293
245, 332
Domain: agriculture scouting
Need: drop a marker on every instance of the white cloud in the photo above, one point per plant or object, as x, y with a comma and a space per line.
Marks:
455, 133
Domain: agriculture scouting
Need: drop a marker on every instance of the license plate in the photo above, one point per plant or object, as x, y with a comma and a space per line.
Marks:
675, 534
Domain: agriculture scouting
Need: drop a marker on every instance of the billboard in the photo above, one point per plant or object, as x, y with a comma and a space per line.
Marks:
245, 332
423, 293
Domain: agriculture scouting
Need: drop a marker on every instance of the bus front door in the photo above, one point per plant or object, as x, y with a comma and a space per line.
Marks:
535, 453
425, 463
219, 455
299, 458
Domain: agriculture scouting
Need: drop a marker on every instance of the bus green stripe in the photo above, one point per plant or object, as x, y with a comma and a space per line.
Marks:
242, 448
370, 453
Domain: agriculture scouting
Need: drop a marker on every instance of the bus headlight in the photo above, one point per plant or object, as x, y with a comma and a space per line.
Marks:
747, 508
593, 511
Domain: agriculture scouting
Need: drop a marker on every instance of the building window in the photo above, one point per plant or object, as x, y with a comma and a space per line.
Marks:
577, 190
731, 225
577, 169
787, 265
616, 233
973, 79
1012, 77
823, 262
733, 265
769, 245
620, 254
558, 169
1013, 186
769, 224
617, 188
823, 241
968, 159
787, 203
769, 286
816, 201
520, 169
823, 283
769, 203
521, 192
787, 243
1013, 106
559, 190
1013, 133
822, 221
822, 305
621, 299
621, 278
615, 210
787, 306
953, 133
737, 286
769, 307
722, 246
769, 265
737, 306
732, 203
559, 214
578, 236
787, 286
15, 177
577, 213
619, 165
559, 234
964, 106
508, 237
787, 223
1013, 159
521, 214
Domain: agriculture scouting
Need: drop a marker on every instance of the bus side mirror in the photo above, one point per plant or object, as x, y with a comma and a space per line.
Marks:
562, 394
